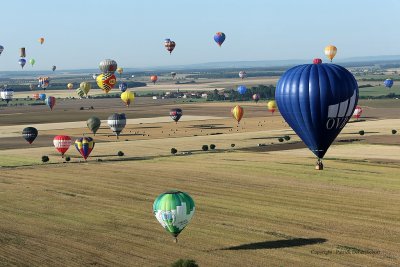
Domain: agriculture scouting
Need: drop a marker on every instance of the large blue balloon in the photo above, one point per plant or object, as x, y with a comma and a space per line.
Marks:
242, 89
317, 100
388, 83
42, 96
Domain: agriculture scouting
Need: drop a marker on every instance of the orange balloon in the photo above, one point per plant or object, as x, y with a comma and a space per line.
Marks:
41, 40
154, 78
237, 113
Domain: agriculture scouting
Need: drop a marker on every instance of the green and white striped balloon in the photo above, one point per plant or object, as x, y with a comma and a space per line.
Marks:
174, 210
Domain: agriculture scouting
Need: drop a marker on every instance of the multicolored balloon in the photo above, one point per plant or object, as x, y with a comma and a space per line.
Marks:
36, 96
256, 97
108, 66
153, 78
271, 105
357, 112
388, 83
317, 100
29, 134
106, 81
44, 82
242, 74
93, 123
242, 89
330, 52
169, 45
237, 113
174, 210
62, 143
22, 62
122, 87
50, 102
80, 92
127, 97
117, 122
219, 38
176, 114
84, 145
7, 94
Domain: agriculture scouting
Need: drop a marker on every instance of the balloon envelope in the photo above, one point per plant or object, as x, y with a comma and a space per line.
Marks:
1, 49
62, 143
330, 52
50, 102
106, 81
29, 134
219, 38
153, 78
108, 66
317, 100
123, 86
85, 87
42, 96
41, 40
357, 112
84, 145
7, 94
237, 113
127, 97
242, 74
256, 97
22, 62
176, 114
271, 105
70, 86
93, 123
169, 45
242, 89
120, 70
53, 68
32, 61
117, 122
174, 210
388, 83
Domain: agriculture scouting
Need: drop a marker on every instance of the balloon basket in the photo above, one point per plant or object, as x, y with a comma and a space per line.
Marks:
175, 240
319, 166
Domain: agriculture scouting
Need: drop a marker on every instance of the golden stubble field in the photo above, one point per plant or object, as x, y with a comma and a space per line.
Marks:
255, 206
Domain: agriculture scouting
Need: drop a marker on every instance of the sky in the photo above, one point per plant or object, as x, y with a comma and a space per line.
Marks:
80, 33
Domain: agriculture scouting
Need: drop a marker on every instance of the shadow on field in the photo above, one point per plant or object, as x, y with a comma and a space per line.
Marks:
285, 243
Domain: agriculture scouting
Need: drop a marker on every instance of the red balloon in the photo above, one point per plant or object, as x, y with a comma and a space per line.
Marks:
62, 143
317, 61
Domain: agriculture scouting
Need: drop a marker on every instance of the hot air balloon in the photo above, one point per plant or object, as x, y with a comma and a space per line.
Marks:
242, 74
388, 83
50, 102
330, 52
62, 143
317, 61
317, 100
22, 52
42, 96
7, 94
106, 81
85, 87
176, 114
133, 76
44, 82
29, 134
173, 74
256, 97
122, 87
41, 40
242, 89
53, 68
153, 78
80, 92
22, 62
93, 123
127, 97
36, 96
70, 86
117, 122
219, 38
169, 45
31, 86
120, 70
174, 210
32, 61
1, 49
271, 105
108, 66
237, 113
84, 145
357, 112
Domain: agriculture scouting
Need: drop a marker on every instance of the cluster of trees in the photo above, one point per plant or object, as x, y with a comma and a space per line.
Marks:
265, 92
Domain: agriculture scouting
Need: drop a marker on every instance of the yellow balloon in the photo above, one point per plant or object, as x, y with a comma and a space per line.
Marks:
120, 70
85, 87
237, 113
106, 81
330, 51
127, 97
70, 86
272, 106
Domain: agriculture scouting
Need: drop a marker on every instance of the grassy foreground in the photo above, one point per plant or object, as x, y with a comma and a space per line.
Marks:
251, 210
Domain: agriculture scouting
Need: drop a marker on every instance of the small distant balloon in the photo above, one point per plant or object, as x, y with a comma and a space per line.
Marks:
32, 61
93, 123
242, 89
330, 52
176, 114
106, 81
53, 68
388, 83
169, 45
29, 134
70, 86
7, 94
219, 38
154, 78
173, 74
242, 74
271, 105
42, 96
85, 87
127, 97
62, 143
120, 70
256, 97
122, 87
84, 145
50, 102
1, 49
41, 40
357, 112
237, 113
108, 66
22, 62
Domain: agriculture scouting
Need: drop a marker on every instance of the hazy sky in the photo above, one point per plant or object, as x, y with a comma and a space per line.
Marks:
79, 33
